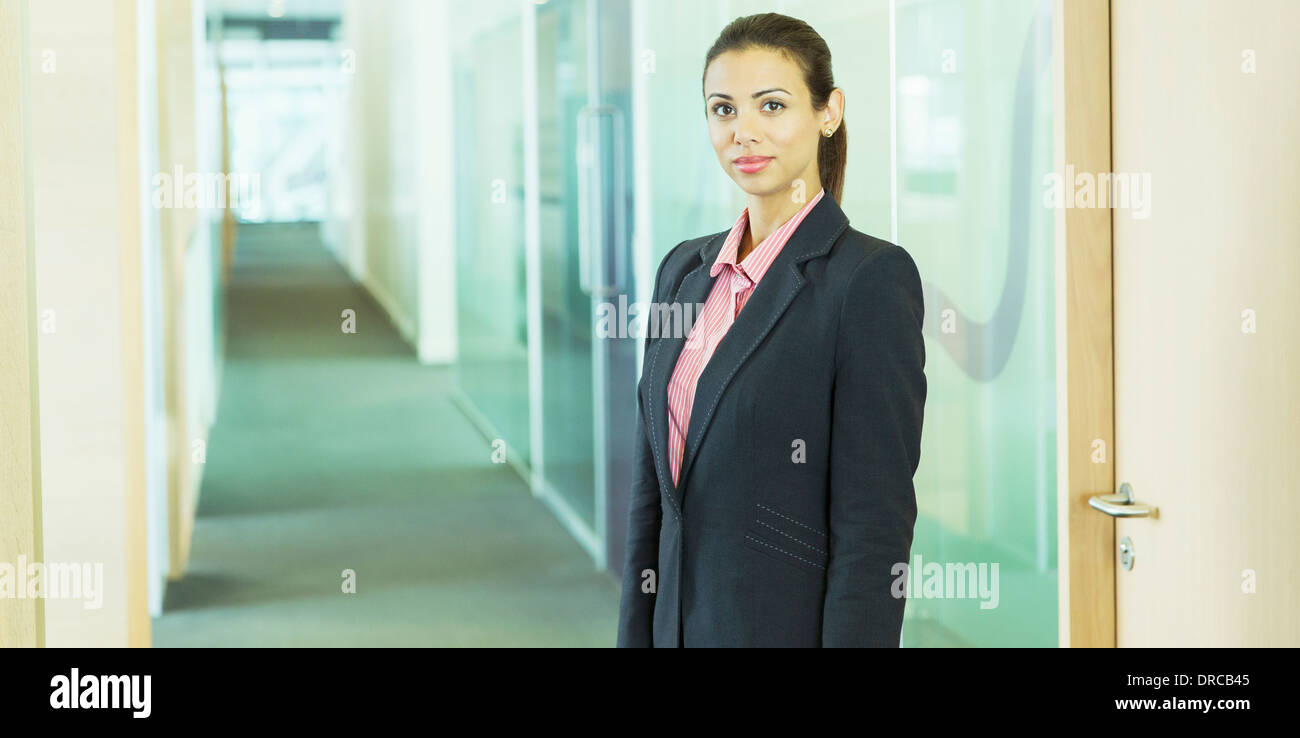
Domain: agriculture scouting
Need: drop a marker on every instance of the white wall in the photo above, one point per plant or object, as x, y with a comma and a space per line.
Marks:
395, 171
86, 153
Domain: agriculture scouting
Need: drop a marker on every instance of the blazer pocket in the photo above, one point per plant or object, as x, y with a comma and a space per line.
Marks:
779, 536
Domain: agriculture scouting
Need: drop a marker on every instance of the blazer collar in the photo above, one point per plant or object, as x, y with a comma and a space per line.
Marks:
759, 260
813, 238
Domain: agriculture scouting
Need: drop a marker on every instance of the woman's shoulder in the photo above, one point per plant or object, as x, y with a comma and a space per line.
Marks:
859, 258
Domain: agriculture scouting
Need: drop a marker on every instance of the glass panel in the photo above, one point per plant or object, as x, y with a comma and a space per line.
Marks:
973, 138
493, 327
567, 322
974, 115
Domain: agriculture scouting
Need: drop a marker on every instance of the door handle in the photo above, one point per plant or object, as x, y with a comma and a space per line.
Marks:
1122, 505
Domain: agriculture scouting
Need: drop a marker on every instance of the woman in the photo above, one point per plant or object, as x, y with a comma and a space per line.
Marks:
778, 434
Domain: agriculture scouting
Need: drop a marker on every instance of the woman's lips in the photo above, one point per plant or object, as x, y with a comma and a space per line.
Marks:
751, 164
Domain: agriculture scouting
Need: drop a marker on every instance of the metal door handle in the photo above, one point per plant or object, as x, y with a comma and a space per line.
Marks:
1122, 505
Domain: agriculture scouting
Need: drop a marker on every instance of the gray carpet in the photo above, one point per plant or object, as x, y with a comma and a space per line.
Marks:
336, 451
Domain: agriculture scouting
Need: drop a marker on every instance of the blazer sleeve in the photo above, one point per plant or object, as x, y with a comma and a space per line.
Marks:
878, 407
636, 606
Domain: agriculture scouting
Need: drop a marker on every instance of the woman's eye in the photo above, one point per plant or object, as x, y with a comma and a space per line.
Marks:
725, 109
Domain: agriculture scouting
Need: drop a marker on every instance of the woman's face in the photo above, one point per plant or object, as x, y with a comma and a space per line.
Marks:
758, 106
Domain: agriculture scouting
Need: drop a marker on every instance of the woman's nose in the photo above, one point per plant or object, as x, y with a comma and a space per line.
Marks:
744, 134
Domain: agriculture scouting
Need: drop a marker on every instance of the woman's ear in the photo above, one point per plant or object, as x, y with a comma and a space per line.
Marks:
834, 109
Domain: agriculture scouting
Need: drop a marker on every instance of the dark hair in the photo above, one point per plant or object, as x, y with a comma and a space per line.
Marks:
800, 43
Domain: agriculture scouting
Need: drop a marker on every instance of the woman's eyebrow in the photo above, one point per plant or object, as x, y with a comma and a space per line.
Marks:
760, 93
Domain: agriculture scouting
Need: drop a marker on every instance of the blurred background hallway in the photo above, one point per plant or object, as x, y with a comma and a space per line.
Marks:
335, 451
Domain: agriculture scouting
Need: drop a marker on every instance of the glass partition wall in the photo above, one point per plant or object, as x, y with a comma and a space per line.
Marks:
949, 118
493, 367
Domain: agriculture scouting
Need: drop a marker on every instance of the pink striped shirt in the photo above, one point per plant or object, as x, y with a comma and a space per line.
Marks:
729, 295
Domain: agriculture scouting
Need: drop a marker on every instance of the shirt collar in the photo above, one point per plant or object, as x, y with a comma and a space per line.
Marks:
755, 265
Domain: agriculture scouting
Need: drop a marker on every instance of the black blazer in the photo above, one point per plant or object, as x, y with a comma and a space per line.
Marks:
795, 500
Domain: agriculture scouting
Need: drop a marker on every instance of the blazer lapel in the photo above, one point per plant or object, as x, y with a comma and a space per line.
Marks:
690, 295
774, 293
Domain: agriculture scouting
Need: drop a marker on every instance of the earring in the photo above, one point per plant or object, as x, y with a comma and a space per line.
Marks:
827, 132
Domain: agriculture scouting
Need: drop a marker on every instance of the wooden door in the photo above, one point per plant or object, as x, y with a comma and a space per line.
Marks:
1205, 101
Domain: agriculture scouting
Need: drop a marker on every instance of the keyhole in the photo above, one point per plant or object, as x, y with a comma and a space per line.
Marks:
1126, 553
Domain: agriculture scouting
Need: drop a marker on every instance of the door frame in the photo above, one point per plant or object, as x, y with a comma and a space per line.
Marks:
1084, 329
613, 362
22, 621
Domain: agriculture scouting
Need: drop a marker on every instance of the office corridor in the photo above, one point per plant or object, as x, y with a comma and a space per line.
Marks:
335, 451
